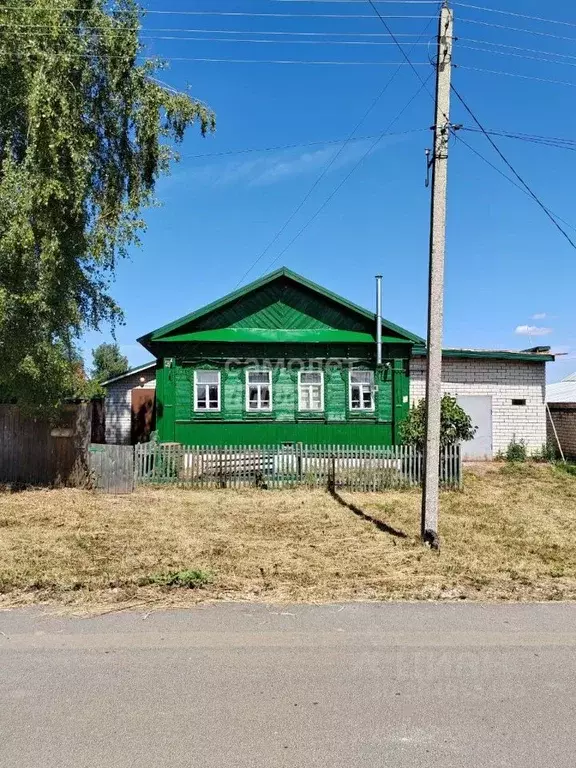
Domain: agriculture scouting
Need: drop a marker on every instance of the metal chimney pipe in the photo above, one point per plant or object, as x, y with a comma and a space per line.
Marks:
379, 319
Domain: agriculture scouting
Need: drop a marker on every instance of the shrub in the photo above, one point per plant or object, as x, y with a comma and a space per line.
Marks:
455, 425
190, 579
546, 454
516, 451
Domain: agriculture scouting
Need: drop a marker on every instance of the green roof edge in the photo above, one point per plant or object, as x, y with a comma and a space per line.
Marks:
490, 355
282, 272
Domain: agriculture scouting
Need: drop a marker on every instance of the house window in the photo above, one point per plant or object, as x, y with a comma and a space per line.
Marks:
361, 391
311, 391
519, 402
259, 391
206, 390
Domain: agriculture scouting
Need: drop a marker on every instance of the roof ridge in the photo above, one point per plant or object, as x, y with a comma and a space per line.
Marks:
129, 372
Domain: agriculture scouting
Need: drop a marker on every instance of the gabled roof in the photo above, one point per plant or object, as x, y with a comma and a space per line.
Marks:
236, 296
130, 372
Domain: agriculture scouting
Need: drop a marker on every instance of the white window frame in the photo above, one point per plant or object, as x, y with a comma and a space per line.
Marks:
372, 407
268, 372
300, 385
219, 385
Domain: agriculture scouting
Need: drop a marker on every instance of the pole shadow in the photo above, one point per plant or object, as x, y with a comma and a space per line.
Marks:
384, 527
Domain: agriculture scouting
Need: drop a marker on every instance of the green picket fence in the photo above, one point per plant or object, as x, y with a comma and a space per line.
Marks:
357, 468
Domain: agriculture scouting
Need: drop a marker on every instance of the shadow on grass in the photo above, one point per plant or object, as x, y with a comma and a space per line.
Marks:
384, 527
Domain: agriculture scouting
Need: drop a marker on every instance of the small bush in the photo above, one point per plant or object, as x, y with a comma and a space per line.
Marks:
190, 579
516, 451
546, 454
456, 426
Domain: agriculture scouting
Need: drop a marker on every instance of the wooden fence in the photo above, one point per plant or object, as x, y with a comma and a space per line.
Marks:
38, 452
111, 468
358, 468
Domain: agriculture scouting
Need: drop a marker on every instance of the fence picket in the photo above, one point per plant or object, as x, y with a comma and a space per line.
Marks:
367, 468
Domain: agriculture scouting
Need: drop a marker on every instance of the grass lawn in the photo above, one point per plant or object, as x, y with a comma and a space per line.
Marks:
510, 535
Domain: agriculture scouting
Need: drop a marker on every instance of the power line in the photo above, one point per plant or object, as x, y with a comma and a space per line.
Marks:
300, 146
515, 13
516, 47
283, 33
350, 2
511, 168
505, 176
517, 55
248, 14
216, 31
345, 179
212, 60
547, 141
516, 74
400, 48
517, 29
274, 42
325, 170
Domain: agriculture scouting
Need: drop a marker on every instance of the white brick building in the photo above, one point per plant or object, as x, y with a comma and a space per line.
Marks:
504, 392
118, 401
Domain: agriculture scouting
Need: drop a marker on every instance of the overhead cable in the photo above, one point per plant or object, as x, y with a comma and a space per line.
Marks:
282, 147
508, 178
329, 165
515, 13
517, 74
511, 167
369, 151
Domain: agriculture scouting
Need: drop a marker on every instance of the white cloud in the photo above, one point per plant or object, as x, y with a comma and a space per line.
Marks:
277, 170
539, 316
276, 167
532, 330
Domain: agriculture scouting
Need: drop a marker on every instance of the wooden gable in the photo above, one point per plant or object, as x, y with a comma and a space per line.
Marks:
282, 307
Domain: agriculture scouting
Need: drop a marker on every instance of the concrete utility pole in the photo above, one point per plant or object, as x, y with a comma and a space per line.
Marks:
439, 162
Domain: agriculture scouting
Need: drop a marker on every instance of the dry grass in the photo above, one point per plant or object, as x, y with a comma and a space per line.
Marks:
511, 535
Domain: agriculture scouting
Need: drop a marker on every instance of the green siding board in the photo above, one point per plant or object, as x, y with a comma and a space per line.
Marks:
178, 421
256, 433
268, 335
212, 353
291, 311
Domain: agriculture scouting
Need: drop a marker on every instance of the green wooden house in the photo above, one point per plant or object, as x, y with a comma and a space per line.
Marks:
281, 360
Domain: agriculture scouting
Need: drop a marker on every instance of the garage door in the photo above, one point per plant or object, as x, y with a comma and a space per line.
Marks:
479, 408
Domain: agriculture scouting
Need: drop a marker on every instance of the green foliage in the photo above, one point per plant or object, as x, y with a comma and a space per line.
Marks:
516, 451
569, 469
108, 362
546, 454
85, 132
191, 579
455, 427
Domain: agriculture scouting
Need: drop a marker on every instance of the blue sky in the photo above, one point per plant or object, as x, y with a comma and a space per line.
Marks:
510, 275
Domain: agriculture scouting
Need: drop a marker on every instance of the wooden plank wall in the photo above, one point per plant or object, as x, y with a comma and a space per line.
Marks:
112, 468
37, 452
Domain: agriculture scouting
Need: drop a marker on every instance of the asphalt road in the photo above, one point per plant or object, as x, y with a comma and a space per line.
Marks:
232, 686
